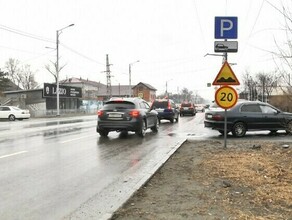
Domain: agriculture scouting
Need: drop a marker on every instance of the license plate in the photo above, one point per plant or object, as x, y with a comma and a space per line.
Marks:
115, 115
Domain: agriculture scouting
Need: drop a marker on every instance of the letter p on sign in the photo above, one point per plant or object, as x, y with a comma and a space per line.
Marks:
225, 27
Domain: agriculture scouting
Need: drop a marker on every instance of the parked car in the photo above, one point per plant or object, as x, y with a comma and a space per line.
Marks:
187, 108
247, 116
166, 109
126, 114
12, 112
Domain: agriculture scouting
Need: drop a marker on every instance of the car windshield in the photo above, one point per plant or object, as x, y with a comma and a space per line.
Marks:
15, 108
162, 104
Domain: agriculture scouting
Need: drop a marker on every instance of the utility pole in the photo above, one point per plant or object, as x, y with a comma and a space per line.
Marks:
108, 79
58, 32
130, 72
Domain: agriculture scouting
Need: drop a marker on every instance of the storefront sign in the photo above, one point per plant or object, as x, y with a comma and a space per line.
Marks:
50, 90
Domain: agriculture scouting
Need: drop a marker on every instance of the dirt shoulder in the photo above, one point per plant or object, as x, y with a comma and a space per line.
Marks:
202, 180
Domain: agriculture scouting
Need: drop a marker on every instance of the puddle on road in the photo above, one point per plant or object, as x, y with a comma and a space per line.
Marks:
51, 123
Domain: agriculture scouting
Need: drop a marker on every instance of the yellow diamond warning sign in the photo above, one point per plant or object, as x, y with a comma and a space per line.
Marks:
226, 76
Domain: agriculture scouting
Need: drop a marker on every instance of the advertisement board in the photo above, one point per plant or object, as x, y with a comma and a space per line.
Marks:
50, 90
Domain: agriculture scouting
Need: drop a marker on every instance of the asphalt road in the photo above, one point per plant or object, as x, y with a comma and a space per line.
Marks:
60, 168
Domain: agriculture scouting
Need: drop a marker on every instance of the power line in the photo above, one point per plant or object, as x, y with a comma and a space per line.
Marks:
24, 51
80, 54
25, 34
201, 29
255, 22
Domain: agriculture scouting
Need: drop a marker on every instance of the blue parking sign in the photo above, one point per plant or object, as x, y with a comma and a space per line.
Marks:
225, 27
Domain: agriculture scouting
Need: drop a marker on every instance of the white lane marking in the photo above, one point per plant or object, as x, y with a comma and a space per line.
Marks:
75, 139
10, 155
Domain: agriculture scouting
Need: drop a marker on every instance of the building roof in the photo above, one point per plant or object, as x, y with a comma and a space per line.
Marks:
75, 80
145, 84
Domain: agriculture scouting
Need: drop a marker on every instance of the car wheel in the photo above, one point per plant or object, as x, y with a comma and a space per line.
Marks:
289, 128
142, 129
103, 133
221, 132
124, 133
273, 132
171, 120
239, 129
156, 126
11, 118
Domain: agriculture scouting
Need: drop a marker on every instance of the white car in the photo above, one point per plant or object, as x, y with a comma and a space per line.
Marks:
200, 107
12, 113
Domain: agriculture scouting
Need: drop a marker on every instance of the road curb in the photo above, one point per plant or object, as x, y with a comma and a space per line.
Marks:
113, 196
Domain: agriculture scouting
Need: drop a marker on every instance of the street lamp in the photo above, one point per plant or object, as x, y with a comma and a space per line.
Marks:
58, 32
130, 65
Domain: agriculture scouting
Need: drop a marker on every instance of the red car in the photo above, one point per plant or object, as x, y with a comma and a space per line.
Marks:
187, 108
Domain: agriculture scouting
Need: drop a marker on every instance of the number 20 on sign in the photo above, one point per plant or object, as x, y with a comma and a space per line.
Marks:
226, 97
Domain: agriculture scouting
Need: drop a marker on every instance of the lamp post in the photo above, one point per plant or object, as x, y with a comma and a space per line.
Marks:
58, 32
130, 87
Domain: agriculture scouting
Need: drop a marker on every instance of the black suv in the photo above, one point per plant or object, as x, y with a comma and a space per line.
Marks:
166, 109
126, 114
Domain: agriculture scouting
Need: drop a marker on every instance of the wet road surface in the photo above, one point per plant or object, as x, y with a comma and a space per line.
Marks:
60, 168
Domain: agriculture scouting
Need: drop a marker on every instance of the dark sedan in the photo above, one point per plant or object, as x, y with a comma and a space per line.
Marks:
126, 114
249, 116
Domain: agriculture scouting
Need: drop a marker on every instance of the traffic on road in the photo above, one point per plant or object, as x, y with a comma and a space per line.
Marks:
60, 168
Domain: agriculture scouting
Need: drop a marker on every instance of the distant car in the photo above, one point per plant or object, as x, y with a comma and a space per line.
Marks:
126, 114
166, 109
187, 108
11, 113
248, 116
200, 107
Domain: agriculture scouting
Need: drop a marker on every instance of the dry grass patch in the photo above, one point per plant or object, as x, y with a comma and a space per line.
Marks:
262, 175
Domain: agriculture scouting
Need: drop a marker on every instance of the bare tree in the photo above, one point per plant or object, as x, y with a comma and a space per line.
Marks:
52, 69
187, 95
28, 78
4, 81
23, 77
14, 71
283, 57
267, 82
250, 87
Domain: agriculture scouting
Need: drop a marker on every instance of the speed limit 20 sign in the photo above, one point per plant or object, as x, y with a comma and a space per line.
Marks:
226, 97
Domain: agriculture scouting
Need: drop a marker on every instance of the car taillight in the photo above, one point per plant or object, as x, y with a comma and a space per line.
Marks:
99, 113
168, 105
135, 113
218, 117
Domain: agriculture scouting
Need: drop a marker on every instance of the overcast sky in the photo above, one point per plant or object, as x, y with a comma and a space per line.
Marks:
169, 37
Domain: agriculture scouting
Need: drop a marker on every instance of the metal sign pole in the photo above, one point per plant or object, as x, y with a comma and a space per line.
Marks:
225, 113
225, 28
225, 128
